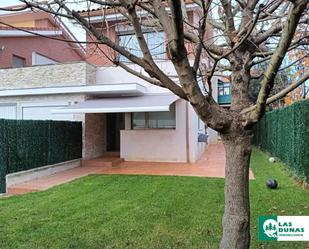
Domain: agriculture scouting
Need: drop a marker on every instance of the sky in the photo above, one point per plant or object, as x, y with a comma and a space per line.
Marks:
4, 3
78, 32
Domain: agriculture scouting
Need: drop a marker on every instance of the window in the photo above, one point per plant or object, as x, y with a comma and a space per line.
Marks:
18, 61
155, 41
155, 120
139, 120
39, 59
224, 88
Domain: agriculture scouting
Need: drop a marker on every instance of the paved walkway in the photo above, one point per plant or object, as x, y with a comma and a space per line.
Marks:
47, 182
211, 164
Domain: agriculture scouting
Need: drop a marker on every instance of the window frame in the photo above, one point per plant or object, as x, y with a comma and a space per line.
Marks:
158, 57
222, 86
147, 121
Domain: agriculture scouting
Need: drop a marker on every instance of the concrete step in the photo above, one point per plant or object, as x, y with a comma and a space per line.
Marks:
46, 182
107, 162
111, 154
19, 190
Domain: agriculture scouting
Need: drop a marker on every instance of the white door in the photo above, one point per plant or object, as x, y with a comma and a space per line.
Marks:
8, 112
44, 113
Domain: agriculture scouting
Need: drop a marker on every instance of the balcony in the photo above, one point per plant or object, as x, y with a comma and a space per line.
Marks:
224, 99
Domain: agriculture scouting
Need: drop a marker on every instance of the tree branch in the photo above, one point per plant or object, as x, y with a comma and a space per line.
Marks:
152, 69
201, 31
205, 106
280, 94
114, 46
236, 46
140, 75
294, 16
211, 47
229, 18
106, 3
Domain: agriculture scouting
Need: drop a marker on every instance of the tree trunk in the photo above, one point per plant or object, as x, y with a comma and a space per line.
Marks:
236, 219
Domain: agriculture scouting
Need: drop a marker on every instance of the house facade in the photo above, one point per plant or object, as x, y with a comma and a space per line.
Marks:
19, 47
120, 112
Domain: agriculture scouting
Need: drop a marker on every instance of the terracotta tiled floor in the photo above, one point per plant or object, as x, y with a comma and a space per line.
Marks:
210, 165
47, 182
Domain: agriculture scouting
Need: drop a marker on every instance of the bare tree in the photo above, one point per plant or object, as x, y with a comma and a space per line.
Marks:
246, 33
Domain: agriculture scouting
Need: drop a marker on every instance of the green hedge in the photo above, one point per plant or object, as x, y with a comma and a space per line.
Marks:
285, 134
28, 144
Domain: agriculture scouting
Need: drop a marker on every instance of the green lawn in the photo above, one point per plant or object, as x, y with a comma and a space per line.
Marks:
142, 212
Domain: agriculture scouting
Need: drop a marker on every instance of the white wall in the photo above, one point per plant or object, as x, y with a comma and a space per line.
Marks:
196, 126
164, 144
167, 145
39, 107
43, 111
8, 111
212, 136
214, 86
117, 75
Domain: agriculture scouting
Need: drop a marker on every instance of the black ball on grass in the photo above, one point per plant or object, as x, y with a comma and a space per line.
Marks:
272, 183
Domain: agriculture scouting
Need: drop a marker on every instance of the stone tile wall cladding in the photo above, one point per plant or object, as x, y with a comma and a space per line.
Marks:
90, 74
94, 135
69, 74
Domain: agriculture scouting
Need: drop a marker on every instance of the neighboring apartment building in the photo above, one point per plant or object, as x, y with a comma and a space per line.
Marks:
20, 48
224, 96
120, 112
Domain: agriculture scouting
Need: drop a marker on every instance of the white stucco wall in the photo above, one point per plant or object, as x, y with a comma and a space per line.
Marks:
196, 148
214, 86
167, 145
44, 101
117, 75
212, 136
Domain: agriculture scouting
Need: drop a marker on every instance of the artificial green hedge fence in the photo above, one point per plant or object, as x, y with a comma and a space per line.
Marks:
284, 133
28, 144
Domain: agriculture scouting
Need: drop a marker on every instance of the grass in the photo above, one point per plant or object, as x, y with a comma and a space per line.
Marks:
143, 212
